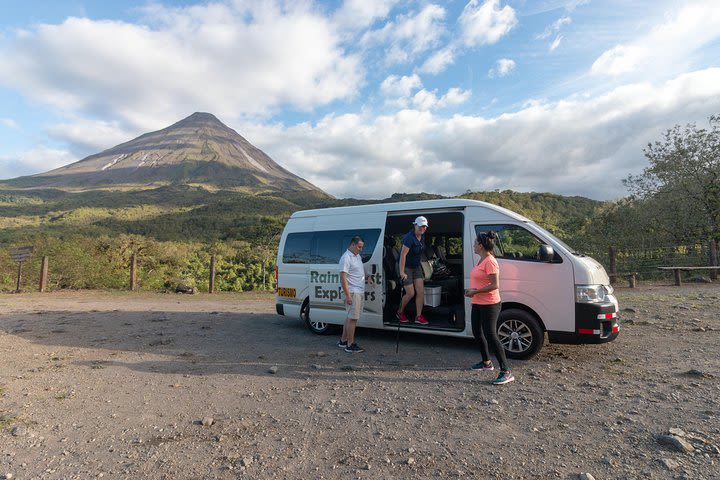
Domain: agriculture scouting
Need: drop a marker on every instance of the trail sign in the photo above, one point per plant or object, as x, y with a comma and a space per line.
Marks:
20, 254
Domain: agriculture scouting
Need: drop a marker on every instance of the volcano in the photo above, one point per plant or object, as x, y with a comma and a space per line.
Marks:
199, 150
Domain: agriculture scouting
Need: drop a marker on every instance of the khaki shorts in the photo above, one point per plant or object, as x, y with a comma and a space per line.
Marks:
413, 273
354, 310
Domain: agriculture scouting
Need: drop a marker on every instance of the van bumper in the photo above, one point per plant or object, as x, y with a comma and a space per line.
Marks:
594, 323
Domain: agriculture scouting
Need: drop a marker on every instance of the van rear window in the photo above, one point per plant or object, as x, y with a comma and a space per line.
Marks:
326, 247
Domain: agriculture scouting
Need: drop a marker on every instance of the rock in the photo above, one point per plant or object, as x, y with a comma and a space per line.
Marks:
273, 369
207, 421
586, 476
316, 366
669, 464
676, 443
19, 431
411, 461
699, 373
186, 289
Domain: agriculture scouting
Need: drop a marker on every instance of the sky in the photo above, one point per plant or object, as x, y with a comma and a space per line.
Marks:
366, 98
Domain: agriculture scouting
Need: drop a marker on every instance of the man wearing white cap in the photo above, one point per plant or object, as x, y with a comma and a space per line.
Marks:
411, 273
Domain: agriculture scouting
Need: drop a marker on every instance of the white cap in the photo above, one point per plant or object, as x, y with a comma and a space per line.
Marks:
421, 221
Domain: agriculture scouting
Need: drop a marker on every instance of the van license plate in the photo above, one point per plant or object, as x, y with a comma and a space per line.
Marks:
286, 292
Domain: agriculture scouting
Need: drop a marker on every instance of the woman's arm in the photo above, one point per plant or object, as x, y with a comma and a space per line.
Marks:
403, 256
493, 285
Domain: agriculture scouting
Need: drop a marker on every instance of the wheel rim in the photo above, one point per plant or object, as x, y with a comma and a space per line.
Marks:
318, 326
315, 325
515, 336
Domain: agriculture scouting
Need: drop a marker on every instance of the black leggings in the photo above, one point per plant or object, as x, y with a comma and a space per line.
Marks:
484, 325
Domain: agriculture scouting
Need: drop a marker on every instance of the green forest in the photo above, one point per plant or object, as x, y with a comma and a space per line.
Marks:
672, 209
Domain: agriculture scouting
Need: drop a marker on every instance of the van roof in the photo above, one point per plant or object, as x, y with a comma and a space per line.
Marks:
424, 205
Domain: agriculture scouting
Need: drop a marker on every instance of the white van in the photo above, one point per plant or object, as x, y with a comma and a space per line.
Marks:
545, 285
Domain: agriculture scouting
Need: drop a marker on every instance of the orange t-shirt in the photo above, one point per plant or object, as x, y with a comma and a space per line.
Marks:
480, 277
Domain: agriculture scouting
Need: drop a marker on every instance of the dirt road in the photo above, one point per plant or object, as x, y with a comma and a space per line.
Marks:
120, 385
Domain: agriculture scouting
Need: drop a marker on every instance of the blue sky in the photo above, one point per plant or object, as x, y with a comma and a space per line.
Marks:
366, 98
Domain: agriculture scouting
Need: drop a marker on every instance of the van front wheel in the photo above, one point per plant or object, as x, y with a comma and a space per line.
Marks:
520, 334
318, 328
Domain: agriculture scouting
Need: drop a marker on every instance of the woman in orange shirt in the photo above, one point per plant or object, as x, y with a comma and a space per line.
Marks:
484, 294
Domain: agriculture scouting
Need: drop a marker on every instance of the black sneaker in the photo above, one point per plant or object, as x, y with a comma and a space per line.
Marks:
342, 344
354, 348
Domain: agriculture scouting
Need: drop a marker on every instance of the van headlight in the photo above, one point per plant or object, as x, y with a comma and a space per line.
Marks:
592, 293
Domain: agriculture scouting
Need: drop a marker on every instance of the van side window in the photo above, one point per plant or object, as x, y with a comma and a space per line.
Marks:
514, 242
326, 247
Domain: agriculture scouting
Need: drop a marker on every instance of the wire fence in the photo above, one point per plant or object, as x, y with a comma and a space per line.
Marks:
645, 261
248, 275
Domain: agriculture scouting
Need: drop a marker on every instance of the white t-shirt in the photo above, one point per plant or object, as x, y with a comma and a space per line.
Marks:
353, 266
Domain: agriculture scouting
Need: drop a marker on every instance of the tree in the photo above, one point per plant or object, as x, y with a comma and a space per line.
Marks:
681, 187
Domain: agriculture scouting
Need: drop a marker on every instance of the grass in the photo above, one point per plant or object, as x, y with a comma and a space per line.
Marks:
6, 421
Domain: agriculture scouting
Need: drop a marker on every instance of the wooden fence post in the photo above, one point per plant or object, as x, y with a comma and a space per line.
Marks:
613, 264
133, 272
44, 274
211, 288
713, 258
19, 277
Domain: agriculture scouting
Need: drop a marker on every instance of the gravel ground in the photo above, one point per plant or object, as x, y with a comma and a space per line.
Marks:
121, 385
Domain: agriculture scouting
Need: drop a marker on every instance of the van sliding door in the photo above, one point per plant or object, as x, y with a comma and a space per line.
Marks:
331, 238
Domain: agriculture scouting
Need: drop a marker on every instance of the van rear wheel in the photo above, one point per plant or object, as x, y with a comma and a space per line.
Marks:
520, 334
318, 328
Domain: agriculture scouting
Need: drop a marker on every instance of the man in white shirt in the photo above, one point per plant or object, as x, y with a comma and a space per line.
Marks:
352, 279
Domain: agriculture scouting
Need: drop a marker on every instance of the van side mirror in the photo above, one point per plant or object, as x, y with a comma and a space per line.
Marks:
546, 253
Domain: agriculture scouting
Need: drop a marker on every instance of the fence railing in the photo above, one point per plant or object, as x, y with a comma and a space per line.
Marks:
42, 274
642, 262
646, 261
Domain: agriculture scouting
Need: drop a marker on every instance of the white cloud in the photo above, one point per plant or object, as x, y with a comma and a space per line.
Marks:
577, 146
90, 136
409, 35
250, 59
486, 24
8, 122
502, 68
32, 161
355, 14
399, 93
556, 43
555, 27
692, 26
439, 61
454, 96
400, 86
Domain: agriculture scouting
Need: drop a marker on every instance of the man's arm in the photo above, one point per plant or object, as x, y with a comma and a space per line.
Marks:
345, 287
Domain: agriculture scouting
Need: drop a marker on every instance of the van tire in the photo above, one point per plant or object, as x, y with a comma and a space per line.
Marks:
520, 333
318, 328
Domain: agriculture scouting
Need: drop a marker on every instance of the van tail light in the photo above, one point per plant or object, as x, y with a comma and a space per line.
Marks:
277, 280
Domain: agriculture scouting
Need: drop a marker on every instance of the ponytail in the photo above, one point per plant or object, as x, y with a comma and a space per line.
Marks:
487, 240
